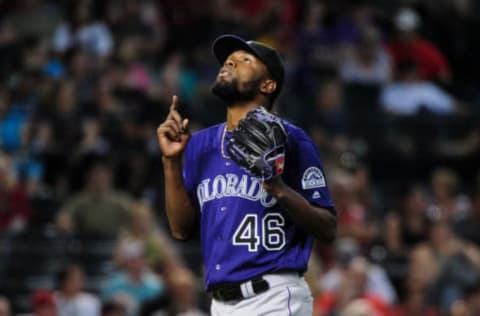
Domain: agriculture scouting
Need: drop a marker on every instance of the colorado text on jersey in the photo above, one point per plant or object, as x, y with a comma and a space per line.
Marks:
229, 185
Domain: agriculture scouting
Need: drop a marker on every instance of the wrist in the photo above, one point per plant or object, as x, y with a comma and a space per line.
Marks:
171, 161
175, 158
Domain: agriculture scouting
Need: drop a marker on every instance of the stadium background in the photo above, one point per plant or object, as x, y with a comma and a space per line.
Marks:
389, 91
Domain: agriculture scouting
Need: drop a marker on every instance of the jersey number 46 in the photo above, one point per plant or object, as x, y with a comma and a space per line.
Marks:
272, 237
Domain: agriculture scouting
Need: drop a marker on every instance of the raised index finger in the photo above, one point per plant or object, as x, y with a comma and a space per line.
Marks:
174, 105
173, 114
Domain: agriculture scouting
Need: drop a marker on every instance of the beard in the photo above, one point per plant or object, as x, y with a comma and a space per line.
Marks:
230, 92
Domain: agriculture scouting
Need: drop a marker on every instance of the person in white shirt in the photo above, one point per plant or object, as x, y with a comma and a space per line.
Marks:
368, 62
70, 298
348, 259
83, 30
410, 94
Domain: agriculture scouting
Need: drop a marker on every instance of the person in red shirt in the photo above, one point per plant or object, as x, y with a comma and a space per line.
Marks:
43, 303
415, 302
15, 209
353, 287
408, 45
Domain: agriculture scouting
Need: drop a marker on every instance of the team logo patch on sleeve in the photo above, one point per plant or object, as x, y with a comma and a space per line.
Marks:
313, 178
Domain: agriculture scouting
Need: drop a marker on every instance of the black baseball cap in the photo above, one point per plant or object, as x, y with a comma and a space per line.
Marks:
224, 45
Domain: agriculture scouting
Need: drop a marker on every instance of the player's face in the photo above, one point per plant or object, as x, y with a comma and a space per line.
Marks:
240, 77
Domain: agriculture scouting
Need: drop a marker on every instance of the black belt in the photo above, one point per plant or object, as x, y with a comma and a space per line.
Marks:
230, 292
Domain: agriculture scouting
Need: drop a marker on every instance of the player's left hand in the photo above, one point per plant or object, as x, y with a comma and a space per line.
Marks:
258, 144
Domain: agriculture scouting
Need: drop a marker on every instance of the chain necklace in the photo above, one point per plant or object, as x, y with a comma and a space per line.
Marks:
222, 151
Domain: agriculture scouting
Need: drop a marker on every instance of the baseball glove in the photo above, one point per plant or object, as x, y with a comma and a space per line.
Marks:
258, 144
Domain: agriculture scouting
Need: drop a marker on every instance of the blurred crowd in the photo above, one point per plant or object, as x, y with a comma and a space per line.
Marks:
387, 90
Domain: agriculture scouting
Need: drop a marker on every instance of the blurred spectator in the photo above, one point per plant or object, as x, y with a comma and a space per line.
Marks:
444, 264
470, 303
367, 192
359, 307
92, 141
392, 235
327, 123
411, 93
13, 123
34, 18
44, 303
424, 120
141, 228
99, 208
448, 202
15, 211
408, 226
415, 302
183, 291
134, 284
468, 227
352, 286
183, 17
70, 298
391, 254
377, 282
103, 122
137, 75
265, 12
322, 44
8, 48
54, 128
34, 58
82, 29
410, 46
4, 306
174, 76
414, 216
159, 255
85, 71
369, 62
352, 215
133, 17
57, 114
113, 309
463, 146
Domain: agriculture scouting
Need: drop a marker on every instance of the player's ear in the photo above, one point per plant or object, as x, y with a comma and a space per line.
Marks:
268, 86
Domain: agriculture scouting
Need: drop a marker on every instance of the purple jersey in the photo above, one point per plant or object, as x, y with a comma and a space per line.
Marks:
244, 232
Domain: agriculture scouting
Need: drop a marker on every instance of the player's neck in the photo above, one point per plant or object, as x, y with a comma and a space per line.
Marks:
238, 111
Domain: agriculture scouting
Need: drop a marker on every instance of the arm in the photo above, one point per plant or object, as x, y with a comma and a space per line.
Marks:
173, 136
180, 210
317, 221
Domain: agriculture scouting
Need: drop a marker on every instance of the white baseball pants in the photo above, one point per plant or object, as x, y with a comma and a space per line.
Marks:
288, 295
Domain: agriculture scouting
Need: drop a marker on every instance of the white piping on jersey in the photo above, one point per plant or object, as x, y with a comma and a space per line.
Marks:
229, 185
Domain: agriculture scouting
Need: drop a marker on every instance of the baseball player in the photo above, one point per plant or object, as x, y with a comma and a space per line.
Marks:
254, 183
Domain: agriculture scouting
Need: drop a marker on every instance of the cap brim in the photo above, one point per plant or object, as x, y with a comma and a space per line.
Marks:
224, 45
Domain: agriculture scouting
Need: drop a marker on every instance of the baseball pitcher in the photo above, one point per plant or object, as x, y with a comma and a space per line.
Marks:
255, 184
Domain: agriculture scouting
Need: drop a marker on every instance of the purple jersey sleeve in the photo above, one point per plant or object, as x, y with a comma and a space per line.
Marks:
190, 169
304, 170
198, 150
